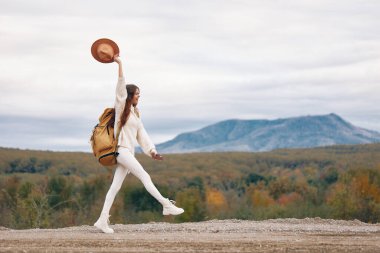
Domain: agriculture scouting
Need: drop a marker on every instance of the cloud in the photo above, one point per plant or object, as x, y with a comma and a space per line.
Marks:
46, 134
196, 62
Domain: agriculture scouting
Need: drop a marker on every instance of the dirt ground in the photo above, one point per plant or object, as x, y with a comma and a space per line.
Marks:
279, 235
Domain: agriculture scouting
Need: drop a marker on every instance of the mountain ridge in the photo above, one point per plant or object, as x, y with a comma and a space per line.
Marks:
266, 135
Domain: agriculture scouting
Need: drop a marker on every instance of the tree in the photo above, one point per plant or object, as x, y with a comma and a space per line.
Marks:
216, 202
191, 200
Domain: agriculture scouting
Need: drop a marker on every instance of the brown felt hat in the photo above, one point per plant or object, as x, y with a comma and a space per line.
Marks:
103, 50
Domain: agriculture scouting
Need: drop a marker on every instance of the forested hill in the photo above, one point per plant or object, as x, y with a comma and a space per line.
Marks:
59, 189
16, 161
47, 162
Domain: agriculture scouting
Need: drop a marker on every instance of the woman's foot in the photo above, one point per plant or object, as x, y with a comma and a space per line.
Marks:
102, 224
170, 208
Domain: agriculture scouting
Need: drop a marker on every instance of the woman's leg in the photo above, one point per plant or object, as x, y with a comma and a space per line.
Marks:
118, 178
128, 161
117, 181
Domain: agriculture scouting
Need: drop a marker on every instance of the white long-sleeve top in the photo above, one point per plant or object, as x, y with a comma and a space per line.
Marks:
133, 130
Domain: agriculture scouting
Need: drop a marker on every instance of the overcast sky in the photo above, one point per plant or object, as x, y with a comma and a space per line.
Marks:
196, 63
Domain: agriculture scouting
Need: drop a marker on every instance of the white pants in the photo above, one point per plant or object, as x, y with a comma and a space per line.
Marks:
126, 162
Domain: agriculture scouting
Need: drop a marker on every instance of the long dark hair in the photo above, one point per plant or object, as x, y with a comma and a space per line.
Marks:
131, 90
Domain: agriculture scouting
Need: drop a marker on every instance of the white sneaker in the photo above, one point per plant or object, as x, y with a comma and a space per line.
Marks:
102, 224
171, 209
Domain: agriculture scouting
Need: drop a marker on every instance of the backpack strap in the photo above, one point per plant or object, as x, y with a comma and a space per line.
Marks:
117, 141
117, 134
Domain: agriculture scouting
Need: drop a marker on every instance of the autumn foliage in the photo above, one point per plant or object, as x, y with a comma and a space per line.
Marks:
42, 189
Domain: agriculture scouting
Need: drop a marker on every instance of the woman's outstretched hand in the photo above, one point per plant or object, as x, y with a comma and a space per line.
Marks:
156, 156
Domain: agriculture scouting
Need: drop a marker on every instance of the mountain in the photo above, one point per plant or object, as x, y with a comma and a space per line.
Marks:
266, 135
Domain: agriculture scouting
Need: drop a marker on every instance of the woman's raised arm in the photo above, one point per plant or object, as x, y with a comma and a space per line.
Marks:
121, 91
117, 59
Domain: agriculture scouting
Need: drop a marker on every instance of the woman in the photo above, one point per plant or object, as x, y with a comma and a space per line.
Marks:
131, 128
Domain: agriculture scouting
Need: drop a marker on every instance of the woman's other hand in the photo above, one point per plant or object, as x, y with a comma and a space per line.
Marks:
156, 156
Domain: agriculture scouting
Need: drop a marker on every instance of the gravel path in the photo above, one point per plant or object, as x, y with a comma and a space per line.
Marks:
277, 235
